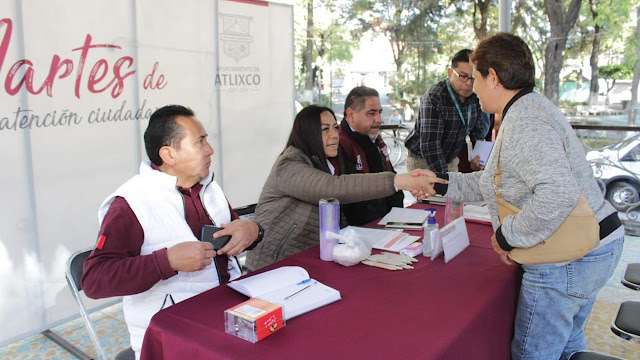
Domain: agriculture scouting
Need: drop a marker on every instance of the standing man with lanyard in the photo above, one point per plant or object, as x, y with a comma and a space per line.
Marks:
449, 118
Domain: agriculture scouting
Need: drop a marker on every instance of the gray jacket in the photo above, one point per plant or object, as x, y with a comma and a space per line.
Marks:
290, 196
537, 176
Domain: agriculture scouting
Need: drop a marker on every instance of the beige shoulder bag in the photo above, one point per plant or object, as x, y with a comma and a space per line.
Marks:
576, 236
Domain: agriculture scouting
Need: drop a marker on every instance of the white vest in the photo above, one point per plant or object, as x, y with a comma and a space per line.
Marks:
159, 207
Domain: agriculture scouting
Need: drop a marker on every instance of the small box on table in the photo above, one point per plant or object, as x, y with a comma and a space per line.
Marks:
254, 319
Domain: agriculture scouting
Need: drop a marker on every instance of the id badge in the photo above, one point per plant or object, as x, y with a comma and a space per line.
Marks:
467, 139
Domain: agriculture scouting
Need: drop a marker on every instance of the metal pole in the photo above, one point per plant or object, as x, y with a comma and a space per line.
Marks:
218, 105
504, 19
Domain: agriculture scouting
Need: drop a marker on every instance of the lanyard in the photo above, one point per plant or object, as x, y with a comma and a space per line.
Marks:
455, 102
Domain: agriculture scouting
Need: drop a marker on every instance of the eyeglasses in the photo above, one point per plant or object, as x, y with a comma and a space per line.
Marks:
464, 78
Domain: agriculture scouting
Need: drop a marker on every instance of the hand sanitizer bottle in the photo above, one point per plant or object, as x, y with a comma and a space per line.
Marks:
431, 233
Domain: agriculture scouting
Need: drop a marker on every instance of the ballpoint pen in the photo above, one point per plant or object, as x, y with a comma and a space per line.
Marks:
304, 288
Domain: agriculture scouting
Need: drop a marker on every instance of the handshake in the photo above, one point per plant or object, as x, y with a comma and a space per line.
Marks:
420, 182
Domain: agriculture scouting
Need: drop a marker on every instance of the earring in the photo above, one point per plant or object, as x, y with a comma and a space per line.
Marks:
493, 87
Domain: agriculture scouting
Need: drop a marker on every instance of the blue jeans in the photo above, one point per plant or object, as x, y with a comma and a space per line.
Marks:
555, 302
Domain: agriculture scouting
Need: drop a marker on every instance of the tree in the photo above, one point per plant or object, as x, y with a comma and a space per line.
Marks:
613, 73
607, 19
560, 22
320, 37
406, 23
595, 52
308, 54
530, 23
483, 7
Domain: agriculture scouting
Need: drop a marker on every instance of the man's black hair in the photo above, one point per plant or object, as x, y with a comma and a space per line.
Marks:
460, 56
163, 130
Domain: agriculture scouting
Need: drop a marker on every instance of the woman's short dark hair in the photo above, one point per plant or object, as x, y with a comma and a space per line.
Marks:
509, 56
306, 135
163, 130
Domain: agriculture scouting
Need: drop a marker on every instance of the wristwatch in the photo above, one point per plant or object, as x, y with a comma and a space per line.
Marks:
260, 232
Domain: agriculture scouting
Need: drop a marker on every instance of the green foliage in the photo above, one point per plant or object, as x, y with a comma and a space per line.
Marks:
416, 87
410, 26
569, 103
395, 98
617, 72
331, 39
423, 34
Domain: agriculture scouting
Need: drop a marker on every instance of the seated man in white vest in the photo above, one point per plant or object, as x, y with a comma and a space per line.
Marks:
148, 249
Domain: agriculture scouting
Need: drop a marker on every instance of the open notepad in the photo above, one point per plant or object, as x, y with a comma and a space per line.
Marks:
289, 286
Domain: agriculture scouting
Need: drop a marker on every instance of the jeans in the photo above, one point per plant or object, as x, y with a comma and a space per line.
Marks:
555, 302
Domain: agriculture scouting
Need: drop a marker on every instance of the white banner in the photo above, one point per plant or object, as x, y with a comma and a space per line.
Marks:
78, 82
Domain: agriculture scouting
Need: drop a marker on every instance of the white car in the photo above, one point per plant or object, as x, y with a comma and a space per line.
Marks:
618, 167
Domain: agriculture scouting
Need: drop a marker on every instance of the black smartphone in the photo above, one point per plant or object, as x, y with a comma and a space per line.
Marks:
207, 235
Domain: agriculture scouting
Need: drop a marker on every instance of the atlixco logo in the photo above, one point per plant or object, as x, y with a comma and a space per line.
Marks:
236, 35
241, 73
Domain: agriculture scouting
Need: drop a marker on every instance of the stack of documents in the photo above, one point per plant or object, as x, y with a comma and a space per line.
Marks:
477, 213
436, 199
404, 218
289, 286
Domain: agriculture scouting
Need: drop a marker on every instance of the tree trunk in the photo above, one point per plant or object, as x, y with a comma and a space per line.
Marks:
561, 23
483, 6
553, 56
308, 57
595, 70
633, 104
595, 53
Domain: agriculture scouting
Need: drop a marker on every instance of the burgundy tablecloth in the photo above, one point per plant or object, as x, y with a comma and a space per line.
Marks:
460, 310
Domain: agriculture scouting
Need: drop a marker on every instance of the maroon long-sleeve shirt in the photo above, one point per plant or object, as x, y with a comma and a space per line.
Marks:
116, 268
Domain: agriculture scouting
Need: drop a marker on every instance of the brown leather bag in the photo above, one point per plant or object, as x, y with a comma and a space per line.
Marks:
575, 238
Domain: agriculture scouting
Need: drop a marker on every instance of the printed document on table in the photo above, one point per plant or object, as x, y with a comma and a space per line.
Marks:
383, 239
482, 148
404, 215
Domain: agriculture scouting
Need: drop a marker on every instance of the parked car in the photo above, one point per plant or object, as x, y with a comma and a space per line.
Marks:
618, 167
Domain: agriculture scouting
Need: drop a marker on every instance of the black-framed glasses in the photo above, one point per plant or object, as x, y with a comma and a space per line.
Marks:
464, 78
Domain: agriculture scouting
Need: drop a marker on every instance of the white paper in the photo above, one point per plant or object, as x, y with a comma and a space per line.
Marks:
383, 239
436, 246
313, 297
454, 238
265, 282
482, 148
477, 213
418, 216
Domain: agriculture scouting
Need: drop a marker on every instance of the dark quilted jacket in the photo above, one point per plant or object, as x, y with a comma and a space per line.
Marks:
290, 196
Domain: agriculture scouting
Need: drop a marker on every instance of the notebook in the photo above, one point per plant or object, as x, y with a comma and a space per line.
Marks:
289, 286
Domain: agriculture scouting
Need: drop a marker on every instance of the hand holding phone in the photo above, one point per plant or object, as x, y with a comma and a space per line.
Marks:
207, 235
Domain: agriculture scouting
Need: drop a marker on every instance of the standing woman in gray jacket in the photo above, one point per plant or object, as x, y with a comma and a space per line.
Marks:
544, 181
307, 171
